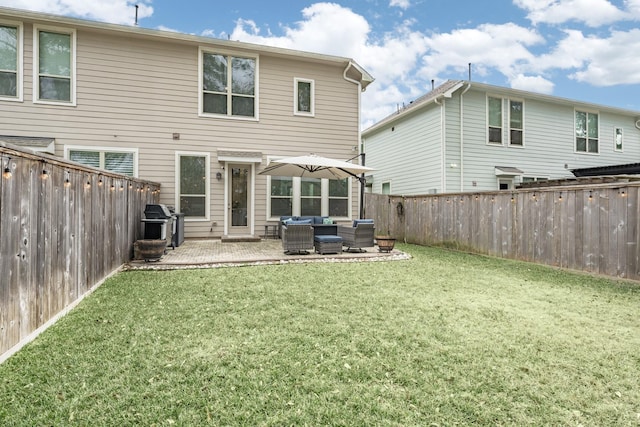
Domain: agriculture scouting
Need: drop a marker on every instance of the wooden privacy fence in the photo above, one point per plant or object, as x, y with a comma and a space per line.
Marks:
63, 229
591, 228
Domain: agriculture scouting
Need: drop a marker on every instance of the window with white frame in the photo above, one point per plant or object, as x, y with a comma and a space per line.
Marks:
304, 97
193, 185
338, 197
494, 119
617, 138
228, 86
308, 197
11, 61
281, 196
54, 65
587, 133
386, 188
122, 161
516, 122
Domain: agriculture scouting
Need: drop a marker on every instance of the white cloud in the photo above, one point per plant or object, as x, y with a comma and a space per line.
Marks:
402, 4
611, 61
114, 11
502, 47
593, 13
536, 84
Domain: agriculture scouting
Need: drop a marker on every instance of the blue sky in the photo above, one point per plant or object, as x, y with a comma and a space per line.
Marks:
587, 50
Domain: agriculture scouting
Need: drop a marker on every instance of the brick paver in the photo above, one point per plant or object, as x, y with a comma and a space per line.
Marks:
215, 253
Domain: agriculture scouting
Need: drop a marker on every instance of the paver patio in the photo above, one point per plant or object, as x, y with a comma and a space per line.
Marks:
207, 253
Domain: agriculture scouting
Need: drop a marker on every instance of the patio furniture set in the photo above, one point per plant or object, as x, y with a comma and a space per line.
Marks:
302, 234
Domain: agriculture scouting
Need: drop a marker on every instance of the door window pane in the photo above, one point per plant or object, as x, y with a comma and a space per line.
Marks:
239, 196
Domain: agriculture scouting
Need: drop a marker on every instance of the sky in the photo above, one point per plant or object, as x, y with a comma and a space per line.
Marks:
585, 50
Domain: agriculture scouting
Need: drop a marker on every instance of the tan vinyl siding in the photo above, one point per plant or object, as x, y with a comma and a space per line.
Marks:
138, 91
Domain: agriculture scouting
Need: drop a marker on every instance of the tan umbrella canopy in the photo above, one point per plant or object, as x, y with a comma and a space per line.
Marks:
313, 166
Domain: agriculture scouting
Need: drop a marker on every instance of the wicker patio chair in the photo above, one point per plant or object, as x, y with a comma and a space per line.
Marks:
358, 236
297, 238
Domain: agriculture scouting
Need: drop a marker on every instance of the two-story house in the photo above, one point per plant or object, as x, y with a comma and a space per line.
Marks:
466, 136
201, 116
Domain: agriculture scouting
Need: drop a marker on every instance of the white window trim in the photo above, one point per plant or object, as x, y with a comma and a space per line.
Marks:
509, 122
19, 64
575, 145
615, 147
502, 127
296, 112
36, 64
207, 200
68, 148
296, 197
256, 106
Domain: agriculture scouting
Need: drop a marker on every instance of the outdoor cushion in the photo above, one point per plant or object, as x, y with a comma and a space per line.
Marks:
362, 221
328, 239
299, 222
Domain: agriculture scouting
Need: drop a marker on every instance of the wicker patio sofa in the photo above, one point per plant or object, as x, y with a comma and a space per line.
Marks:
359, 235
297, 238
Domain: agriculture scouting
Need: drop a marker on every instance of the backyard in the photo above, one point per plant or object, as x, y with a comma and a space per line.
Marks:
445, 338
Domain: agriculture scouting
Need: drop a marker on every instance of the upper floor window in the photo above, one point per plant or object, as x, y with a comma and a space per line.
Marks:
11, 61
117, 160
228, 85
586, 132
54, 69
516, 122
304, 97
494, 132
617, 135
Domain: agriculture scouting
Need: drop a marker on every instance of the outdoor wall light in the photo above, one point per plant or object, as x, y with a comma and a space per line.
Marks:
7, 169
218, 176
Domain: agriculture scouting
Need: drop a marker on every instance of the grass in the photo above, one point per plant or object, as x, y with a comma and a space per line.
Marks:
443, 339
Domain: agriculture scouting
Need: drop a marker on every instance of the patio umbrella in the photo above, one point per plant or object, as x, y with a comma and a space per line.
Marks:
313, 166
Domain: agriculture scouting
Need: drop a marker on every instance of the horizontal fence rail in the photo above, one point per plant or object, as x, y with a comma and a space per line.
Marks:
592, 228
63, 229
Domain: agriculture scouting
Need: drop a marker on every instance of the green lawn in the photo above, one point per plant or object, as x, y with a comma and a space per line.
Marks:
443, 339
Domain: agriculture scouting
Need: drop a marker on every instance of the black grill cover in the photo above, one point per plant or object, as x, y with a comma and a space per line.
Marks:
156, 212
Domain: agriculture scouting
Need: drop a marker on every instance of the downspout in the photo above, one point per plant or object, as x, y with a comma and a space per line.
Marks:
443, 153
462, 136
360, 153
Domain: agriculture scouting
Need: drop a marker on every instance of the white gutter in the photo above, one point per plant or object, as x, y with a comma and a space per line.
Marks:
443, 153
360, 90
462, 136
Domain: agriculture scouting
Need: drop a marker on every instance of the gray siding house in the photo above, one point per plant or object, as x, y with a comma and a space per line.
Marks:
201, 116
466, 136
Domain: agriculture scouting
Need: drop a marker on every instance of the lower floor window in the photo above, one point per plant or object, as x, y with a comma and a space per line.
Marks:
193, 184
122, 162
308, 197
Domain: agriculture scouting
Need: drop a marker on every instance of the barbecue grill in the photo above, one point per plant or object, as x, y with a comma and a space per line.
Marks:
158, 223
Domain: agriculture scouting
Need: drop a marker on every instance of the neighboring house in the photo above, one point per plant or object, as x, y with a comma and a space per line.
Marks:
466, 136
199, 115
